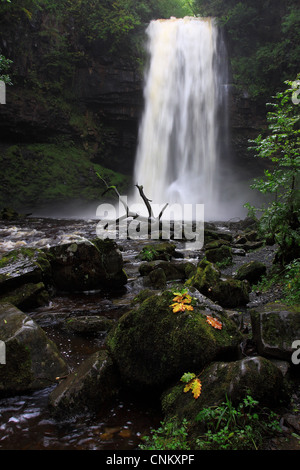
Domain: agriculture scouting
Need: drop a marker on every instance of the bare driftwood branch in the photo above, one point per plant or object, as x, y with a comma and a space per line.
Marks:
145, 199
151, 219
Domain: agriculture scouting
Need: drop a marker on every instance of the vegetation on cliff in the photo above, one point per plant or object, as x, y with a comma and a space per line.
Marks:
280, 218
57, 54
263, 41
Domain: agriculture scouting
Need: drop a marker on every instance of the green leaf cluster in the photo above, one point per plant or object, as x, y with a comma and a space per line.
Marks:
4, 67
169, 436
241, 427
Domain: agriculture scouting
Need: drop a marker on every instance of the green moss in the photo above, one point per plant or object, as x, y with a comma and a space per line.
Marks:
152, 345
206, 276
58, 171
38, 257
218, 254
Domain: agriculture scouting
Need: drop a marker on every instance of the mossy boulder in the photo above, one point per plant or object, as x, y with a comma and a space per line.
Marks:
275, 326
152, 345
22, 266
228, 292
88, 388
256, 376
25, 274
159, 272
205, 276
32, 359
27, 296
88, 325
157, 278
158, 251
218, 254
252, 271
87, 265
211, 235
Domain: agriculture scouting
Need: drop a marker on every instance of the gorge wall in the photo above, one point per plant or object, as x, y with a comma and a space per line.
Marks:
74, 109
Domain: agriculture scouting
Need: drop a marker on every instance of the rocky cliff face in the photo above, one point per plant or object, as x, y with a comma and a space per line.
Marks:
74, 110
102, 108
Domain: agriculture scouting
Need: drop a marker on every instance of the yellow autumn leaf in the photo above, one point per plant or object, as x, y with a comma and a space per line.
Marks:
180, 307
189, 307
195, 386
178, 298
183, 298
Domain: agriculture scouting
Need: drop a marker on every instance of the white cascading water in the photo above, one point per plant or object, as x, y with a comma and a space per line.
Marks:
184, 124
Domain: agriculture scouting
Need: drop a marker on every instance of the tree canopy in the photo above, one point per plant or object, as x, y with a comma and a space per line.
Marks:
263, 41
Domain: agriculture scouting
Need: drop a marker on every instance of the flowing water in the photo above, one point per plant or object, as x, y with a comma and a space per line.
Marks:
183, 137
25, 421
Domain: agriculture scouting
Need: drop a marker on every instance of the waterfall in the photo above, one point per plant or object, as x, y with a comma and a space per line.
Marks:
183, 131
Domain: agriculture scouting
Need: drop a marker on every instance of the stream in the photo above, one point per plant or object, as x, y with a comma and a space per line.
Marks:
25, 421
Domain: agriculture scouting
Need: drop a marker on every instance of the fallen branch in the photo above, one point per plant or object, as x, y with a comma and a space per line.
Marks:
151, 219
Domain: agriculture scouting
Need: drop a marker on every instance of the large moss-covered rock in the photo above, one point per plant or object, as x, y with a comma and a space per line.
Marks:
256, 376
206, 276
87, 265
218, 254
228, 292
275, 326
93, 384
32, 359
152, 346
252, 271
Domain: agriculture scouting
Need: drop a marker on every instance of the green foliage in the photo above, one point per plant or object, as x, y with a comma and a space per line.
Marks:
177, 8
116, 21
281, 147
291, 282
57, 171
244, 427
187, 377
287, 279
263, 40
4, 66
169, 436
224, 263
148, 254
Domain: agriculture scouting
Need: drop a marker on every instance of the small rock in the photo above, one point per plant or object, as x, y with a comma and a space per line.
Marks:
88, 325
251, 272
32, 359
93, 384
275, 327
